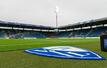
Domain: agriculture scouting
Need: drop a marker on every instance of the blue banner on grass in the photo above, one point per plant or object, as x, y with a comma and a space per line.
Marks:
65, 52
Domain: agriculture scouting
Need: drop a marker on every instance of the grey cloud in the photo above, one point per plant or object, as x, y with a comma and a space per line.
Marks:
42, 12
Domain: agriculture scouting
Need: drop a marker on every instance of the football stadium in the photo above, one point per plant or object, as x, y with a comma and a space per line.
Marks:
17, 37
35, 34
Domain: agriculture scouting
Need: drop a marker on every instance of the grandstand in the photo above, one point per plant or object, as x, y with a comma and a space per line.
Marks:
19, 30
91, 28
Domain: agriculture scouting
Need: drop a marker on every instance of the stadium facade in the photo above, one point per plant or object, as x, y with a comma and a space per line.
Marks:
93, 28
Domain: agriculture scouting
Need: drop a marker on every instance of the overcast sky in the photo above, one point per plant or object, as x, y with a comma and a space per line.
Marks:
42, 12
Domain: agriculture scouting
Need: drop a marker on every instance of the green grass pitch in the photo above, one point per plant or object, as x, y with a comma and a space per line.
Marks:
12, 54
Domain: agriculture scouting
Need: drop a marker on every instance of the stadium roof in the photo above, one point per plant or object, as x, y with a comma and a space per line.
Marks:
78, 25
85, 24
20, 25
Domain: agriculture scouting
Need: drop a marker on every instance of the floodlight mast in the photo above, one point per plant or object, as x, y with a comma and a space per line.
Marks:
56, 13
